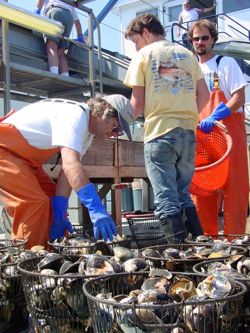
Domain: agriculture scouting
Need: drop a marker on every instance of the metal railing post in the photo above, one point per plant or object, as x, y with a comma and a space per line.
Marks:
99, 55
91, 54
6, 65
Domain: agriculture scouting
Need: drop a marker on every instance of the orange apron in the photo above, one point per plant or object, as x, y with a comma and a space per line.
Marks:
25, 188
236, 191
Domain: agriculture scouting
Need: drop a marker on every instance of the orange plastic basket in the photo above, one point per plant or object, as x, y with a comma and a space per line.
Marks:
211, 161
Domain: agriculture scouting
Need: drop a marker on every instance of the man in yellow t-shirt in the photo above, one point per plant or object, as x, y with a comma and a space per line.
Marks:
169, 88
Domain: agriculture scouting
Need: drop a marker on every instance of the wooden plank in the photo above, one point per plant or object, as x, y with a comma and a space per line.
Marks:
131, 154
132, 172
101, 153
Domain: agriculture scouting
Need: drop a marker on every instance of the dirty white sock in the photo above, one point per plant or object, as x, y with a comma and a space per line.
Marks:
54, 69
65, 74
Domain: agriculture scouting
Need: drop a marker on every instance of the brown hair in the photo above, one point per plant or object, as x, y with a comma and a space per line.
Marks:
201, 24
99, 107
147, 21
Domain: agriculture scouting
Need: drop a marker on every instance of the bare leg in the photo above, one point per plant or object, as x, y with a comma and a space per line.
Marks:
53, 56
63, 63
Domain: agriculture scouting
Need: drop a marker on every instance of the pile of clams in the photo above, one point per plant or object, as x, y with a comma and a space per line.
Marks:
13, 310
183, 257
236, 267
164, 301
53, 286
240, 240
77, 245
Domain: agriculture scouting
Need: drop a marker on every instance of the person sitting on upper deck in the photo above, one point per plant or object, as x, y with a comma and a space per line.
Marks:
188, 16
56, 46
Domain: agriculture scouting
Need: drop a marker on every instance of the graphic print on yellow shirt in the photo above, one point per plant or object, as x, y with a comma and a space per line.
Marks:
169, 75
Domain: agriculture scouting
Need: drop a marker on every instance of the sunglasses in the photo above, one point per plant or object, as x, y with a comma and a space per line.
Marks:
203, 38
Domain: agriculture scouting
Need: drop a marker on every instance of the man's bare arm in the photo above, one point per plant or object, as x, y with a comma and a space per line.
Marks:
202, 94
73, 170
237, 100
138, 100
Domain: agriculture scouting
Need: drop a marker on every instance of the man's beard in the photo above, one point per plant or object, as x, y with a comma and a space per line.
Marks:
201, 52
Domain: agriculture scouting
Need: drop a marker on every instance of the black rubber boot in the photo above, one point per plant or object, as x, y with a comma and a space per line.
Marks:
192, 222
174, 228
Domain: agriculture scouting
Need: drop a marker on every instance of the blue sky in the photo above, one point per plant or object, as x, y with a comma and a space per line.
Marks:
110, 34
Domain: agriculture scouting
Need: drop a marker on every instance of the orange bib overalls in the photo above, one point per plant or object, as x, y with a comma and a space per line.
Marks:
235, 193
25, 188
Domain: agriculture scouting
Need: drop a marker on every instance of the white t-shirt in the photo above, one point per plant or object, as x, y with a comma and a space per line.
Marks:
190, 15
230, 75
48, 3
49, 124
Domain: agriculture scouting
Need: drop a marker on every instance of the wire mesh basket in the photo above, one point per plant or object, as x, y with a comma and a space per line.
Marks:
13, 311
211, 161
182, 257
77, 246
55, 301
242, 240
116, 307
146, 229
205, 268
9, 243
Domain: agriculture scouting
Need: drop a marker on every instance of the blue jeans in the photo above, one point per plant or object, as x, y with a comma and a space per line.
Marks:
169, 161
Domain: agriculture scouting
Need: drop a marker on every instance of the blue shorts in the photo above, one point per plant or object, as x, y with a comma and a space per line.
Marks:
65, 17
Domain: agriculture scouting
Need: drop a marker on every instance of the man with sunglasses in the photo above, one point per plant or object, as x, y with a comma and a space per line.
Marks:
188, 16
169, 88
35, 133
226, 83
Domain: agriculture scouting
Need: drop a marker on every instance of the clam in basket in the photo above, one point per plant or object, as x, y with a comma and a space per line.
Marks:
55, 301
78, 245
242, 240
211, 160
238, 268
53, 290
182, 257
164, 302
13, 312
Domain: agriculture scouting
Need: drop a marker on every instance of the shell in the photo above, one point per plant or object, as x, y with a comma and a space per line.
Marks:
151, 253
152, 296
243, 266
97, 265
134, 265
183, 287
51, 260
204, 239
122, 253
216, 286
69, 267
159, 283
171, 253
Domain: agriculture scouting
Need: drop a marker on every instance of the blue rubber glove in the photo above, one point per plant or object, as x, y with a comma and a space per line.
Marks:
37, 11
102, 223
80, 38
219, 113
60, 222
